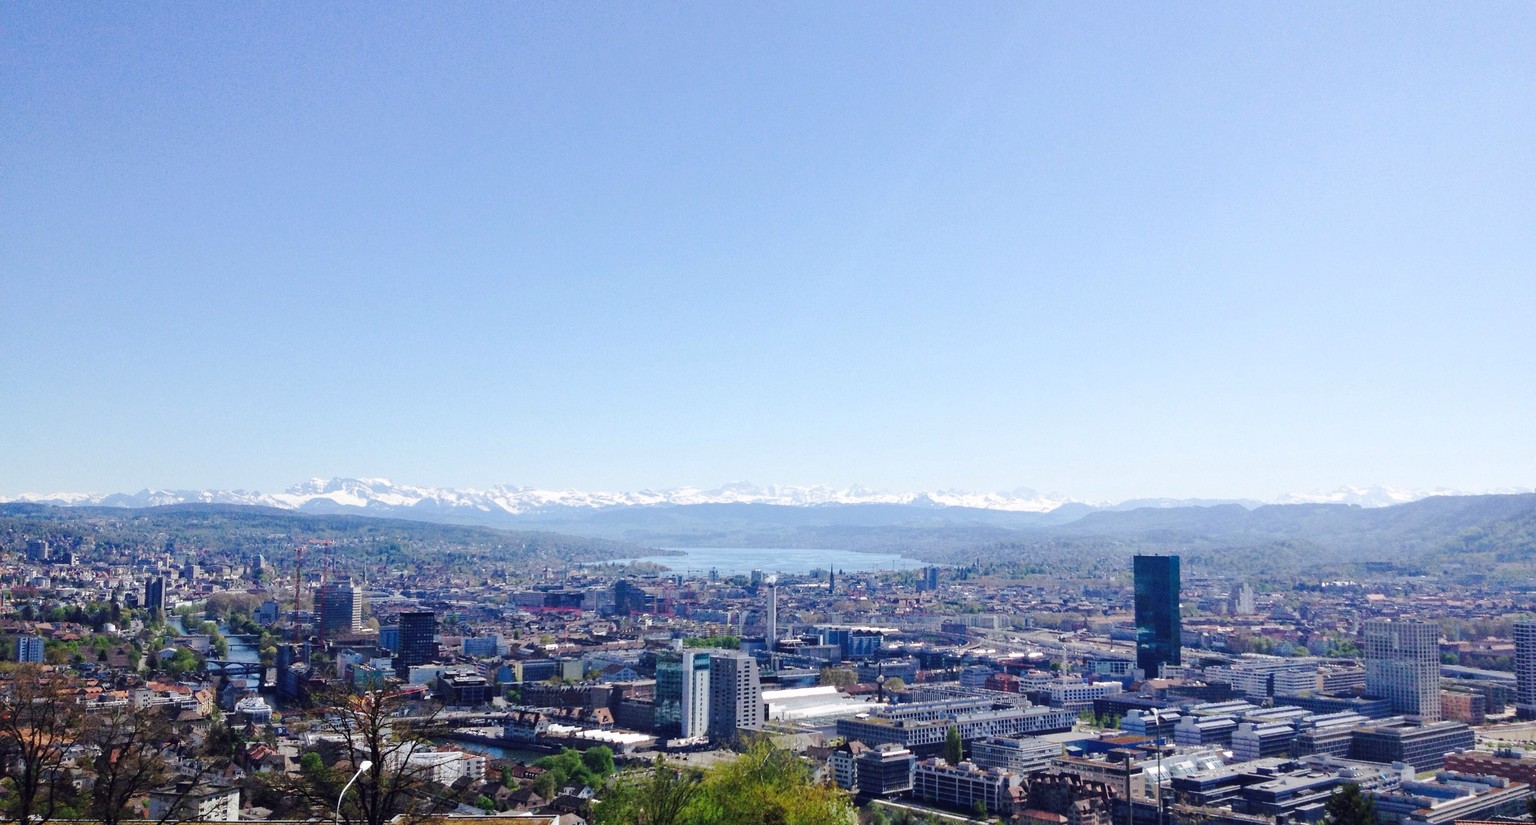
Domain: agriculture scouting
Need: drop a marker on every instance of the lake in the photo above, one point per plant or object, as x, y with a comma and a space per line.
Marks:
741, 561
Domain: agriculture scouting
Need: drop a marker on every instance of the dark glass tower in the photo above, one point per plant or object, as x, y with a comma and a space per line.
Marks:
417, 646
1158, 629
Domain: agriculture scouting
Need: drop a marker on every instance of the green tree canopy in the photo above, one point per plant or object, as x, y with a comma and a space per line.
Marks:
954, 746
1348, 806
764, 786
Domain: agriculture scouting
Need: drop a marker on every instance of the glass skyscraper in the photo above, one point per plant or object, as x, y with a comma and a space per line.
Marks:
417, 643
1158, 628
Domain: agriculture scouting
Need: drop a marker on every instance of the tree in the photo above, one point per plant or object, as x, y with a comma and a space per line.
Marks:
378, 726
598, 761
38, 724
837, 677
768, 786
954, 746
131, 759
1348, 806
544, 786
658, 796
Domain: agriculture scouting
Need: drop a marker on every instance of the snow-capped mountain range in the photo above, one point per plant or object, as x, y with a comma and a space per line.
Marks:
381, 496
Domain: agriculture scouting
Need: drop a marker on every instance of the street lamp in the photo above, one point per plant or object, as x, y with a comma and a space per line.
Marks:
1157, 721
362, 766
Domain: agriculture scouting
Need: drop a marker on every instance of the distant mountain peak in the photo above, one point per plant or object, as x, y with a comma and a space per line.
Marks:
1374, 496
382, 496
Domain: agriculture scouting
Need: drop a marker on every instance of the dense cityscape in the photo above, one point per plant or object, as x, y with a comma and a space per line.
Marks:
252, 690
791, 413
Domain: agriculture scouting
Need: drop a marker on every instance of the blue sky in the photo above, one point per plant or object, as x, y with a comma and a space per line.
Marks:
1107, 250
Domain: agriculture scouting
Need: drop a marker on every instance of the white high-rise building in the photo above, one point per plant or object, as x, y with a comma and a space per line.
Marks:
682, 693
771, 630
1402, 663
1241, 601
1525, 670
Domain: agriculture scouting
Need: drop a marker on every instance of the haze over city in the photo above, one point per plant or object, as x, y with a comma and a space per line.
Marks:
1109, 253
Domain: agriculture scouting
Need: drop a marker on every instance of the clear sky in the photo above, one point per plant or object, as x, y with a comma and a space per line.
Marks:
1108, 250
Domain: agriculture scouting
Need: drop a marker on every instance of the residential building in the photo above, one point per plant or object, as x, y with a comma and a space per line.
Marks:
196, 803
735, 695
29, 648
1525, 669
339, 606
482, 646
1464, 705
1402, 664
1241, 601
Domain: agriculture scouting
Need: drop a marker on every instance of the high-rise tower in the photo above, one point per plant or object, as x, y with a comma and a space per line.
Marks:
771, 626
682, 693
154, 596
1525, 670
417, 646
340, 606
735, 695
1158, 626
1402, 663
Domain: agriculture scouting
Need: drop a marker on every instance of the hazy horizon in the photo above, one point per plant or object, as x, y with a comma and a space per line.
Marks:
1373, 494
1115, 252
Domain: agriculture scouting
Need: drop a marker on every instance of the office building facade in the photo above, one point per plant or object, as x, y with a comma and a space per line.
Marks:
416, 645
963, 786
1159, 628
1402, 664
884, 770
682, 694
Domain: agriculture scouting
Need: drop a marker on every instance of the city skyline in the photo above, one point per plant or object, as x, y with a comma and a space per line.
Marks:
1182, 252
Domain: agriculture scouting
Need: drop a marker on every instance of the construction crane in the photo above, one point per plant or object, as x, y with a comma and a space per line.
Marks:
328, 564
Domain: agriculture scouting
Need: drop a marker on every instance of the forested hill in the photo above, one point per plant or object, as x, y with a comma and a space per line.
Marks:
237, 534
1488, 535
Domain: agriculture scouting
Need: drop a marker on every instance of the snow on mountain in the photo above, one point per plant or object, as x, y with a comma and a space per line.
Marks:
382, 496
1364, 496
